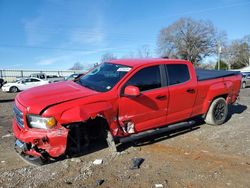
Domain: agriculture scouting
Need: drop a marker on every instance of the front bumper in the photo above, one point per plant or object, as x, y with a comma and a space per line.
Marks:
21, 147
36, 142
5, 89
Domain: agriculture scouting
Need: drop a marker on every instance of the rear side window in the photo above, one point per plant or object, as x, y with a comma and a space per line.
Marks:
177, 73
34, 80
146, 79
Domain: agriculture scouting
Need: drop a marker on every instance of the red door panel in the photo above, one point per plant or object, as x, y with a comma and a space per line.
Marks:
182, 91
146, 111
181, 102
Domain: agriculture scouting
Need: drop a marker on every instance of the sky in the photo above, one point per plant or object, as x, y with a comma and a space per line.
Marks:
55, 34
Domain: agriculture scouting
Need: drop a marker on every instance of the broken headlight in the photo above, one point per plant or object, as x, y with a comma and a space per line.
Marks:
41, 122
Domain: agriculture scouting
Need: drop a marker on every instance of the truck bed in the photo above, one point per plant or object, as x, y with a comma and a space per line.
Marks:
213, 74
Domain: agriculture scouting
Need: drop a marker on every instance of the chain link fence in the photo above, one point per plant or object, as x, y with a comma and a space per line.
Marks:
10, 75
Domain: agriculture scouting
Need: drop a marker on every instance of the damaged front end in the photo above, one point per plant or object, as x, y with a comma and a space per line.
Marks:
87, 136
39, 145
36, 144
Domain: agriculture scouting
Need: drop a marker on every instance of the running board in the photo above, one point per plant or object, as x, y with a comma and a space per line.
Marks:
177, 126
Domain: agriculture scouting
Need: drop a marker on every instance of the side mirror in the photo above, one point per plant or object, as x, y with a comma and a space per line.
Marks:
132, 91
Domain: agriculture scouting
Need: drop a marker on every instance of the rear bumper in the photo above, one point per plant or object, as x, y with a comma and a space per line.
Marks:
35, 142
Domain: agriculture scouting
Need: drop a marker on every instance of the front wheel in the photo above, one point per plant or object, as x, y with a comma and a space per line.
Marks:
243, 86
217, 112
13, 89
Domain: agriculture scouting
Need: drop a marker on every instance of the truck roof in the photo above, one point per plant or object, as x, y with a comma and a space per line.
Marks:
139, 62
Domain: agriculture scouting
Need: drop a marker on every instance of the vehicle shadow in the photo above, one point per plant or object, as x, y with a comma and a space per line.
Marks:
160, 137
6, 100
101, 144
235, 109
154, 139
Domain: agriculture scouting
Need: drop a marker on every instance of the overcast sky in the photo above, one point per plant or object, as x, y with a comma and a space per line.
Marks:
54, 34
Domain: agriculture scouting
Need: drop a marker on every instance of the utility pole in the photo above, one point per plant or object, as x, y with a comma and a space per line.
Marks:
219, 52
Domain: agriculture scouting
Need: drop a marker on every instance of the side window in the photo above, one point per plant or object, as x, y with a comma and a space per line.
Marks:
34, 80
177, 73
146, 79
42, 76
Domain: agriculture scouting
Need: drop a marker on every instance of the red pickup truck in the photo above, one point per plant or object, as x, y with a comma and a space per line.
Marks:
119, 101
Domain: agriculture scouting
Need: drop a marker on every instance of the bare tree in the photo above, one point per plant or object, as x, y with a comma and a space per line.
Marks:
189, 39
107, 57
77, 66
144, 52
141, 52
129, 55
238, 53
210, 65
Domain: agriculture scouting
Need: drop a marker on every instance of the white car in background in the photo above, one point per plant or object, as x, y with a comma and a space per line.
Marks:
23, 84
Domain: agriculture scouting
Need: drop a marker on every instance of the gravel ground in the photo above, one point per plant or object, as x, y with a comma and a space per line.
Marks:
206, 156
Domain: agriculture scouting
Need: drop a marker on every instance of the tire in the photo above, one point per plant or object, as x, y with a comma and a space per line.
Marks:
34, 161
14, 89
217, 113
243, 86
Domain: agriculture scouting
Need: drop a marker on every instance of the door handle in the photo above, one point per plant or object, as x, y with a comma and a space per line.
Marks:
191, 90
159, 97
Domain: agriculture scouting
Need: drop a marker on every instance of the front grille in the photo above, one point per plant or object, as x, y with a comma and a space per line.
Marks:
19, 116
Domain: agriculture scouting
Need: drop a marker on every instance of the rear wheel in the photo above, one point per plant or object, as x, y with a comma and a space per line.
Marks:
13, 89
217, 112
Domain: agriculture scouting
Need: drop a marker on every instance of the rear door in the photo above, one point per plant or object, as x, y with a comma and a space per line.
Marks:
36, 82
150, 108
182, 91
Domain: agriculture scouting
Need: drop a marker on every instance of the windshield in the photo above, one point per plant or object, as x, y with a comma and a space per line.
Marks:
104, 77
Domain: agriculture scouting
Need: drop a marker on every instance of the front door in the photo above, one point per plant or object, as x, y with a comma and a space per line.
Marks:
149, 109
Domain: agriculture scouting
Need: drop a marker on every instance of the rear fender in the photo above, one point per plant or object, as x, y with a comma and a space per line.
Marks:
216, 90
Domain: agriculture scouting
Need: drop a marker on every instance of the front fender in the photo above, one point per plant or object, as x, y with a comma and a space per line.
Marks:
84, 112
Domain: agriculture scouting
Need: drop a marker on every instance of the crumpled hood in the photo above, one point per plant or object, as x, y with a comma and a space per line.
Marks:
38, 98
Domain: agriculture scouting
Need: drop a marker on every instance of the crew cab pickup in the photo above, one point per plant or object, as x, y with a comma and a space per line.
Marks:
119, 101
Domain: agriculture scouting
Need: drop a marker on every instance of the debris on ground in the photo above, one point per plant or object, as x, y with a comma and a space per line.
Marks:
7, 135
136, 163
76, 160
158, 186
97, 162
68, 182
99, 182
